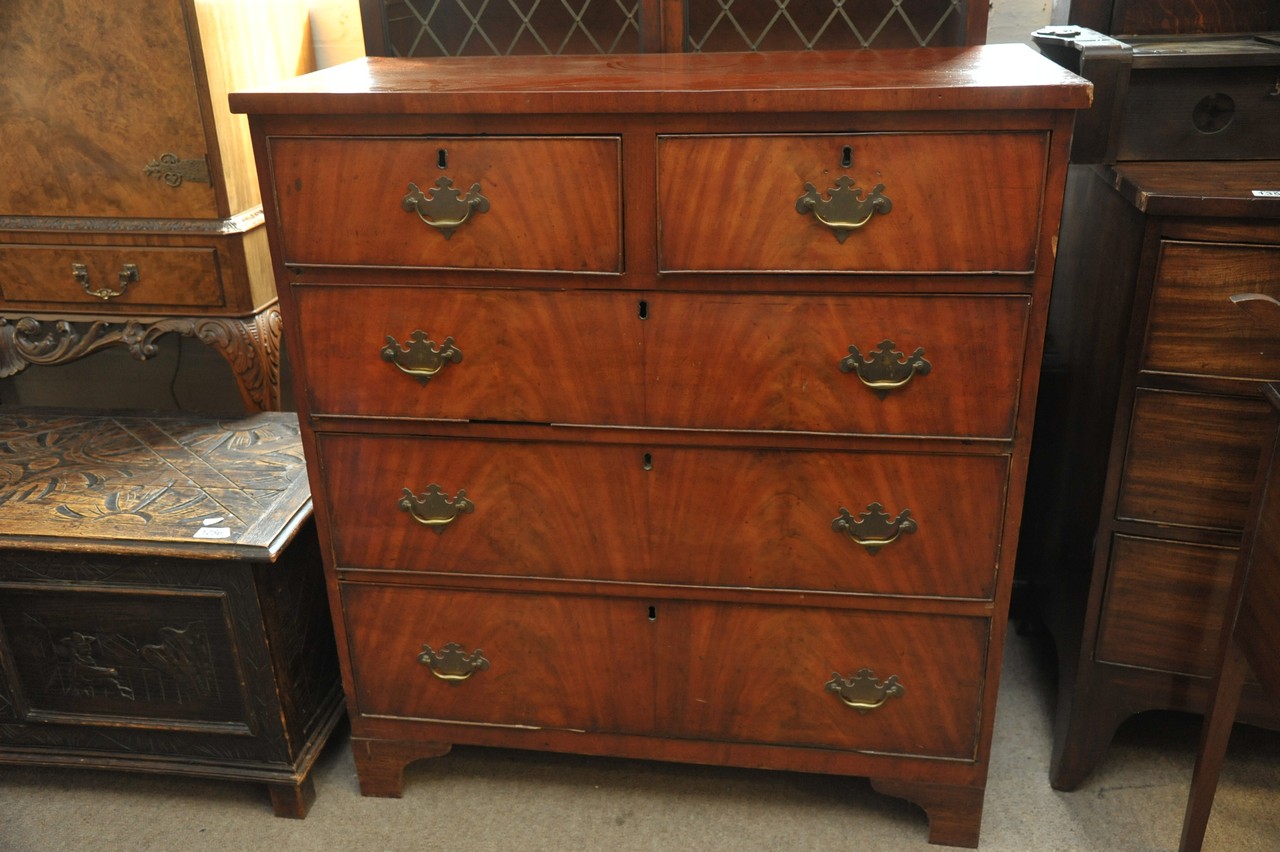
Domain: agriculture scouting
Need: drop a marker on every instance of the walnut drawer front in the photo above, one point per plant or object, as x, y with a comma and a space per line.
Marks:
883, 682
1165, 603
1191, 459
549, 203
1194, 327
102, 279
939, 365
876, 523
939, 202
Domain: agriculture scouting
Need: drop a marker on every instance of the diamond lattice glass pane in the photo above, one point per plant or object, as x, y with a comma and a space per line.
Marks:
722, 25
499, 27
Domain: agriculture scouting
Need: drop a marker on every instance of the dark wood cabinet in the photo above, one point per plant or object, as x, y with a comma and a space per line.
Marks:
645, 448
1151, 427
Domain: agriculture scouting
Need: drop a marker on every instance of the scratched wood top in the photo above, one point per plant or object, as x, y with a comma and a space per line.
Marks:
151, 485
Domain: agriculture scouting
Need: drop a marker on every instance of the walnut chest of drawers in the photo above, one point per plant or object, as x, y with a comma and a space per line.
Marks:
672, 407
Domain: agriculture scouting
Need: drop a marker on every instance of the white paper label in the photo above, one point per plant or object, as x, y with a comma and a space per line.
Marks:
213, 532
1266, 193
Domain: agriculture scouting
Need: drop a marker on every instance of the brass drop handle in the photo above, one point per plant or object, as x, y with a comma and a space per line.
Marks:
874, 529
128, 275
451, 663
863, 692
846, 208
420, 357
444, 208
885, 369
433, 509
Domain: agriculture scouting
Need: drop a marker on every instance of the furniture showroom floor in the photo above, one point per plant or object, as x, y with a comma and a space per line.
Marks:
481, 799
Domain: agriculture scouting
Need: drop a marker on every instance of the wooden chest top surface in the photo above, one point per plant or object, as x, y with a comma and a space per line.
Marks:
984, 77
152, 485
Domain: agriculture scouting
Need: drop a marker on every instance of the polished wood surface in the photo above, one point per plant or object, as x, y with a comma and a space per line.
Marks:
554, 204
661, 359
660, 464
172, 277
940, 79
679, 515
1150, 442
729, 203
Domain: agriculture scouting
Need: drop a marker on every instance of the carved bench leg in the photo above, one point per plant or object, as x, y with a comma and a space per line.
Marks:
955, 813
380, 763
293, 801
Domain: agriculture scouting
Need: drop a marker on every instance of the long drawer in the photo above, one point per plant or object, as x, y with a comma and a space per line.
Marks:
901, 365
514, 203
882, 523
882, 682
98, 278
891, 202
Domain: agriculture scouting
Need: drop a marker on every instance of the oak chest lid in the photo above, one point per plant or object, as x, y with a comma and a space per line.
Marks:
174, 486
1001, 76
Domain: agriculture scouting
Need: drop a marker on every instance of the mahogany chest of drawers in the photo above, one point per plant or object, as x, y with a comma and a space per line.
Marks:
672, 407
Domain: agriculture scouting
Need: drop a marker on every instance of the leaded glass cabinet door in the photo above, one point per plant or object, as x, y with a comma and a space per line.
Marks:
500, 27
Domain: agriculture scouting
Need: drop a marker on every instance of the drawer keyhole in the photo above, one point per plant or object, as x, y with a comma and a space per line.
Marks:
653, 613
442, 159
647, 464
846, 157
643, 310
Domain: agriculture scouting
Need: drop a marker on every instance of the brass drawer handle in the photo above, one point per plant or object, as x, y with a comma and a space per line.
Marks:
443, 207
433, 509
419, 356
451, 663
128, 275
863, 692
874, 529
846, 209
885, 369
1260, 306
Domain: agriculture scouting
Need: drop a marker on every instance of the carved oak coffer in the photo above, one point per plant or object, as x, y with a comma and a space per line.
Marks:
162, 604
672, 407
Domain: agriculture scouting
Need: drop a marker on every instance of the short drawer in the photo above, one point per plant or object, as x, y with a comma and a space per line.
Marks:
1192, 459
1165, 603
534, 203
100, 278
878, 202
1194, 326
883, 682
521, 356
898, 365
905, 524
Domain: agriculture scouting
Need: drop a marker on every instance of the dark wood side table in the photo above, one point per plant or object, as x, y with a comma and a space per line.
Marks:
1149, 436
162, 603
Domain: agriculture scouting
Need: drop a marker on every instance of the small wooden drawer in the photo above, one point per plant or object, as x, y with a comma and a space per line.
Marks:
682, 515
1165, 603
882, 682
106, 278
504, 355
1194, 326
936, 365
532, 203
1192, 459
930, 202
